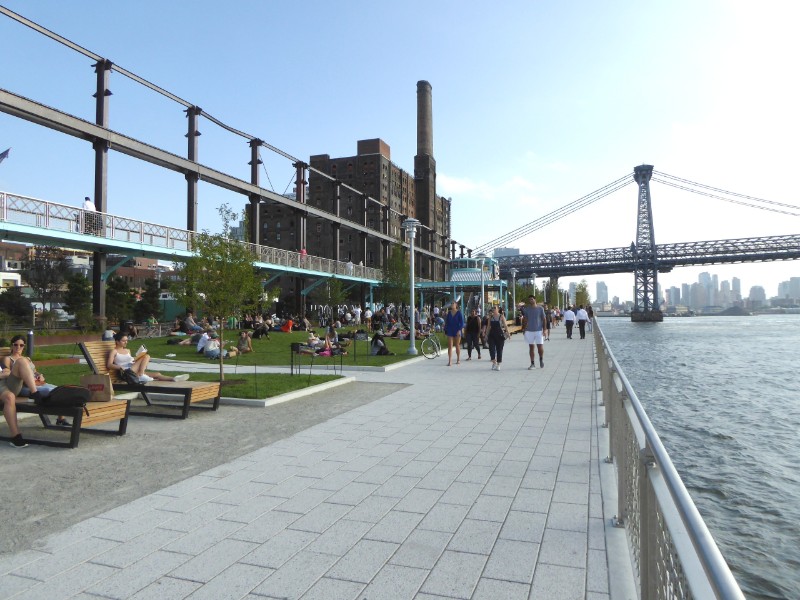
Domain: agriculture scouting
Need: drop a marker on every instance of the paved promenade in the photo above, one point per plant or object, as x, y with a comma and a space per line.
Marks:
464, 483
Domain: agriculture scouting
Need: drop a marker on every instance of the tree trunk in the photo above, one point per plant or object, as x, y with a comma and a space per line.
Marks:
221, 351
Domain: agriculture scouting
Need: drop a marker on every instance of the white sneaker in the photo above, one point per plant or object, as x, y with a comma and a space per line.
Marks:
183, 377
494, 367
145, 379
497, 368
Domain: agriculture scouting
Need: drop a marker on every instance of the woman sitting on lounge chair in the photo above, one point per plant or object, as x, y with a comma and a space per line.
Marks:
120, 359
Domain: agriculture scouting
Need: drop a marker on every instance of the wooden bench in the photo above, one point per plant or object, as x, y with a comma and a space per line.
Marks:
512, 329
98, 412
96, 354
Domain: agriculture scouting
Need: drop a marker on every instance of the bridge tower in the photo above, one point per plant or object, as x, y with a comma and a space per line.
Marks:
646, 305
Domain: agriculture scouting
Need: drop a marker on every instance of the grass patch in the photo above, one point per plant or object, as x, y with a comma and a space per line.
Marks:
272, 352
251, 385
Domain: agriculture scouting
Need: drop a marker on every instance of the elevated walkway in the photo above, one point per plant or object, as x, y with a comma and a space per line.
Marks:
463, 483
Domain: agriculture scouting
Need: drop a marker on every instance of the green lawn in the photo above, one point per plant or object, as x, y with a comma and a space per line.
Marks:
238, 385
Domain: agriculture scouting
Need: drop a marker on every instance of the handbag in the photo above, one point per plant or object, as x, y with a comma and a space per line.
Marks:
130, 377
68, 396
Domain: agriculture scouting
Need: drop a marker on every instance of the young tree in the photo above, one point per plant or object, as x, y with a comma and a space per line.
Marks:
119, 300
149, 304
582, 297
395, 283
220, 278
78, 300
44, 271
15, 305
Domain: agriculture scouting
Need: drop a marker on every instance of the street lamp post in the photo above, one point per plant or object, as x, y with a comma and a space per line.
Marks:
410, 225
514, 293
533, 280
482, 258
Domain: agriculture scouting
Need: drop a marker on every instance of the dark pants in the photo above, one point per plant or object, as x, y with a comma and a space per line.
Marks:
569, 325
582, 327
496, 343
473, 341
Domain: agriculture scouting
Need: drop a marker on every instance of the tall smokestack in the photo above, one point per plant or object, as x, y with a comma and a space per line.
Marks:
424, 119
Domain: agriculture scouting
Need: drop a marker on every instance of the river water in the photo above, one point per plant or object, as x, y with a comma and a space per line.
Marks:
724, 396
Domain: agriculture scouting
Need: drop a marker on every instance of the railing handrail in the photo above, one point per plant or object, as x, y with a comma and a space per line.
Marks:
713, 563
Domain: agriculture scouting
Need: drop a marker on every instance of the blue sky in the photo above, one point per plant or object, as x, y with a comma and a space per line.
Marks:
534, 104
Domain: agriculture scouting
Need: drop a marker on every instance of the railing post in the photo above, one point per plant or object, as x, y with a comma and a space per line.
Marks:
648, 525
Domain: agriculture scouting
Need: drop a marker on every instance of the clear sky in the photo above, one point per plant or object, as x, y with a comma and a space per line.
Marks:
535, 104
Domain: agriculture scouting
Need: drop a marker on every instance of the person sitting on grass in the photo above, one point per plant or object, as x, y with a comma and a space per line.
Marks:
244, 344
287, 325
120, 359
378, 347
213, 349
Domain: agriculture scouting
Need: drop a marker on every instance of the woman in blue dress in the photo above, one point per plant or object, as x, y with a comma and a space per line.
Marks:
453, 326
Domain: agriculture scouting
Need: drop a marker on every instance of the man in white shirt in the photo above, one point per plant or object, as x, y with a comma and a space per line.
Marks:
202, 343
569, 321
533, 325
90, 218
583, 318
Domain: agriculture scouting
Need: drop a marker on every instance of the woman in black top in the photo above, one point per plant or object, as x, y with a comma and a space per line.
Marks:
473, 330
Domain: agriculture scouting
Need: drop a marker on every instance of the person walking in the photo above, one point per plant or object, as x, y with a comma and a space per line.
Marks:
583, 318
533, 326
473, 333
548, 323
569, 321
590, 312
453, 326
498, 333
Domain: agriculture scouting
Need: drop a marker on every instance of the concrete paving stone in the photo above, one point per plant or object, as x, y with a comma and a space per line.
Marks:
207, 565
363, 561
372, 509
596, 596
576, 459
334, 589
496, 446
264, 527
524, 526
165, 587
467, 450
416, 468
461, 493
353, 493
493, 589
298, 575
397, 486
279, 549
191, 500
251, 509
383, 450
541, 480
567, 491
345, 455
92, 527
379, 474
512, 560
597, 534
476, 438
361, 463
532, 500
395, 582
65, 585
499, 485
305, 501
321, 517
564, 583
487, 459
563, 548
596, 504
64, 559
242, 493
571, 517
445, 517
506, 431
433, 454
309, 460
123, 583
455, 575
197, 517
337, 480
132, 529
199, 540
475, 474
291, 486
186, 486
574, 474
14, 561
421, 549
519, 453
419, 500
340, 537
490, 508
11, 584
278, 474
597, 572
511, 468
232, 480
398, 459
415, 445
394, 527
452, 462
133, 509
123, 555
477, 537
428, 434
438, 479
544, 450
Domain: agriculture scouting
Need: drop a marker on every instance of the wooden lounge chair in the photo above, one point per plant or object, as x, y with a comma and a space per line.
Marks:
98, 412
96, 354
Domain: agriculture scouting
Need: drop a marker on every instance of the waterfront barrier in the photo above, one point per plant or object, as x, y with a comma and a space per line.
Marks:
673, 554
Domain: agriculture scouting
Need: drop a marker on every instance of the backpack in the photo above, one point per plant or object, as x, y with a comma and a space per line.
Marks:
68, 396
130, 377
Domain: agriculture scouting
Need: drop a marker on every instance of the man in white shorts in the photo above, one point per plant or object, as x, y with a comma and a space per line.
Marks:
532, 326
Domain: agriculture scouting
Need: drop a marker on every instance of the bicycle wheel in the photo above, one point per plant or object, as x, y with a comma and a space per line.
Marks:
430, 349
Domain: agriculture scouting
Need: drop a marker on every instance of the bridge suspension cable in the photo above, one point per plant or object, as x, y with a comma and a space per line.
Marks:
557, 214
700, 189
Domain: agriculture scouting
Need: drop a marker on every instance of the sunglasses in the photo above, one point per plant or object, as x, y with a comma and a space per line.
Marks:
23, 345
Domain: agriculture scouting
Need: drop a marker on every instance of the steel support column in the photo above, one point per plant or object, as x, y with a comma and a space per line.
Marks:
103, 72
255, 199
646, 305
192, 177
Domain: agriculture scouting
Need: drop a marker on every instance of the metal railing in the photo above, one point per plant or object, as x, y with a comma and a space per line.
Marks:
673, 553
23, 210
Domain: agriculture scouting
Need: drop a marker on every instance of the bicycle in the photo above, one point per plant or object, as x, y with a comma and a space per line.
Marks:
431, 347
